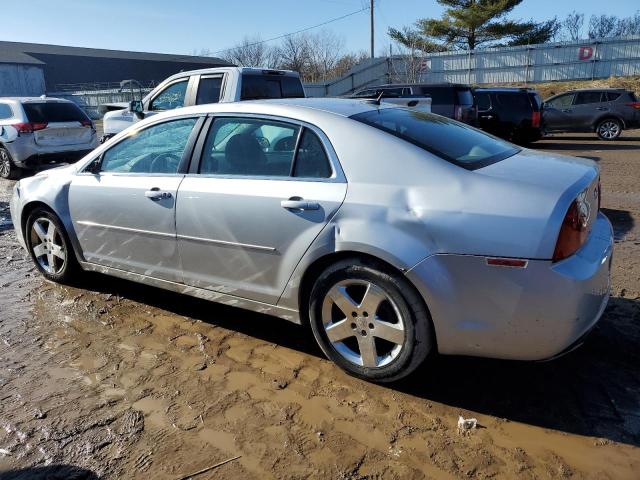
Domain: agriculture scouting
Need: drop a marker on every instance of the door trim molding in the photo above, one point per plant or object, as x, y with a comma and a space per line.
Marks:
88, 223
226, 243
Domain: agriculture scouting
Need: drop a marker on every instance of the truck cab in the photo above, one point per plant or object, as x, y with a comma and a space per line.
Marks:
211, 85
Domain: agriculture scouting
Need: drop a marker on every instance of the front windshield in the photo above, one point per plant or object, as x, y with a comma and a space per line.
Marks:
450, 140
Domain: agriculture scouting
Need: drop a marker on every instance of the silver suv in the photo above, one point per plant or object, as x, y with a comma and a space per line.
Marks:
605, 111
39, 132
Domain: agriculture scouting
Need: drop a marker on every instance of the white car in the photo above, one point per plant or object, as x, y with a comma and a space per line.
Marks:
36, 132
211, 85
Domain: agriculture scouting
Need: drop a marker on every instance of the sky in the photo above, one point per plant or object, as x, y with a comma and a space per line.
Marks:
184, 26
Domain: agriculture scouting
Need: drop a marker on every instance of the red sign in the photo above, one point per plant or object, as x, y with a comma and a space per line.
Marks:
585, 53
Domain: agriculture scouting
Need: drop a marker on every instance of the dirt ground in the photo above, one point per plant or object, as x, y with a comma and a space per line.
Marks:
114, 380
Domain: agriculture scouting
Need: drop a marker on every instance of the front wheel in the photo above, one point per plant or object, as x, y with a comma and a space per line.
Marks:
49, 246
609, 129
369, 321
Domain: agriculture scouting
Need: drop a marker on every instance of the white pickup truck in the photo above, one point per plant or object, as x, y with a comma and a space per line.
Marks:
211, 85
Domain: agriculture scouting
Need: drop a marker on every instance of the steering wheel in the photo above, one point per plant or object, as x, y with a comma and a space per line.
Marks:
264, 142
165, 163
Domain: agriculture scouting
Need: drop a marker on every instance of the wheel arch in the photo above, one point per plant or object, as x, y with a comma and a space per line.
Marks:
608, 116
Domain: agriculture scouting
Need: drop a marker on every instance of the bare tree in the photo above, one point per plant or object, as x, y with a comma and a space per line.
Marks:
572, 26
294, 52
409, 60
252, 52
630, 25
603, 26
325, 50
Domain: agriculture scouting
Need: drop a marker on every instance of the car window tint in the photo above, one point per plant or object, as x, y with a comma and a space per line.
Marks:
292, 87
465, 97
209, 90
170, 98
311, 160
249, 147
392, 92
5, 111
611, 96
515, 101
365, 93
440, 95
583, 98
157, 149
484, 100
452, 141
562, 101
48, 112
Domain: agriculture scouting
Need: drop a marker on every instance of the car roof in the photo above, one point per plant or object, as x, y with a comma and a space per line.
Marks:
251, 70
603, 89
421, 85
34, 100
505, 89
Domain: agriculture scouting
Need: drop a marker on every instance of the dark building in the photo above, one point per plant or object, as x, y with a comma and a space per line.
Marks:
35, 69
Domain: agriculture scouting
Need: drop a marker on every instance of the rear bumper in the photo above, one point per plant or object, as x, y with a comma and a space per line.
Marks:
531, 313
46, 160
26, 153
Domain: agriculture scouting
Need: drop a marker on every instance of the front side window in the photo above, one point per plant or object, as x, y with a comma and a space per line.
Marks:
452, 141
157, 149
209, 90
5, 111
562, 101
171, 97
249, 147
583, 98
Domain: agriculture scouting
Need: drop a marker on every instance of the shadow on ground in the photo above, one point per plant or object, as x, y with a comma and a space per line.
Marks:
51, 472
582, 144
622, 221
593, 391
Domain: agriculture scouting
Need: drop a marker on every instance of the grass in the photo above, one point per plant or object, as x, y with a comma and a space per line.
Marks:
552, 88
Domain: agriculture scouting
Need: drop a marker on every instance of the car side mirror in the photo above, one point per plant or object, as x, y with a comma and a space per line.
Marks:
137, 108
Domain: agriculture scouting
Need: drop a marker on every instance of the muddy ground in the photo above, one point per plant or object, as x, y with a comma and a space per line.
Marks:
110, 379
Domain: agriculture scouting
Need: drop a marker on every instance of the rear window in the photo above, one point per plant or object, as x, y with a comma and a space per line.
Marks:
256, 87
452, 141
53, 112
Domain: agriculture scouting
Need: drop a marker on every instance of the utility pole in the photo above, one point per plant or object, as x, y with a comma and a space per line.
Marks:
372, 37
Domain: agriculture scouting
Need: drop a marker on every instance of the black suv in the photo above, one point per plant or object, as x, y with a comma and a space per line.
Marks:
606, 111
510, 113
449, 99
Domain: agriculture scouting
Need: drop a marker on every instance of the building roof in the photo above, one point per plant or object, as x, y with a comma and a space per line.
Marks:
26, 53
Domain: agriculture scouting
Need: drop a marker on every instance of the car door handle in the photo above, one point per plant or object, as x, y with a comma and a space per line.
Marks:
602, 109
487, 117
567, 110
157, 194
295, 204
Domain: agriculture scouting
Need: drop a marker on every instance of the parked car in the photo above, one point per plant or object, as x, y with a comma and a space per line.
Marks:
211, 85
387, 229
450, 100
37, 132
605, 111
400, 96
510, 113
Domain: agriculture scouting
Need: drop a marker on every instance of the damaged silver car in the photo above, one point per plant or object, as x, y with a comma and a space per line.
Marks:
394, 233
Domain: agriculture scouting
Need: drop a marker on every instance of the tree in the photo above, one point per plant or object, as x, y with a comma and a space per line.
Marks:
251, 52
469, 24
603, 26
572, 26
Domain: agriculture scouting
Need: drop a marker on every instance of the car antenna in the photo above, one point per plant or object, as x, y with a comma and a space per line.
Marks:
379, 97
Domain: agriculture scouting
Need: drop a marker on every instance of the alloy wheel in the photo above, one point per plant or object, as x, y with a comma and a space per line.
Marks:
47, 246
5, 164
363, 323
609, 129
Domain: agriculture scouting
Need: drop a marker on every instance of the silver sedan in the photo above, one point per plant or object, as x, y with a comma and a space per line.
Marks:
393, 233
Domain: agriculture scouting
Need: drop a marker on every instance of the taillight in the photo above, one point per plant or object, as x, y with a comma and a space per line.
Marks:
535, 119
29, 127
88, 123
457, 113
573, 232
635, 105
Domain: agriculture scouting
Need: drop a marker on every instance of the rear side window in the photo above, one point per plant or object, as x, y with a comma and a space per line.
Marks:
440, 95
452, 141
536, 100
465, 97
311, 161
612, 96
5, 111
48, 112
484, 100
209, 90
516, 101
583, 98
256, 87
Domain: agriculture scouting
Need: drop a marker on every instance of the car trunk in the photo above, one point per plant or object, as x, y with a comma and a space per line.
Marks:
60, 134
58, 124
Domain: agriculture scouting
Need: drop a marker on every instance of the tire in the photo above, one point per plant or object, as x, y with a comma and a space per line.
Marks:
383, 310
609, 129
8, 169
50, 250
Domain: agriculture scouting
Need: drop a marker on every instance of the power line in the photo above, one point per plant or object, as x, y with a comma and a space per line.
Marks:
296, 32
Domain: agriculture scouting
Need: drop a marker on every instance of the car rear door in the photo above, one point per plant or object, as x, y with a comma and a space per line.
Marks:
123, 205
261, 192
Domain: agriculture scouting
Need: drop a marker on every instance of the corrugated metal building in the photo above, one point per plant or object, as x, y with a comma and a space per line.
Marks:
35, 69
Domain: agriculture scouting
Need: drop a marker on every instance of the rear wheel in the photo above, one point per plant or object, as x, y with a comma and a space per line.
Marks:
371, 322
50, 247
7, 168
609, 129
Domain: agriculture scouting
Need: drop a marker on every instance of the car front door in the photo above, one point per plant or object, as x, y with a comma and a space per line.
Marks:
176, 94
263, 191
123, 204
558, 113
